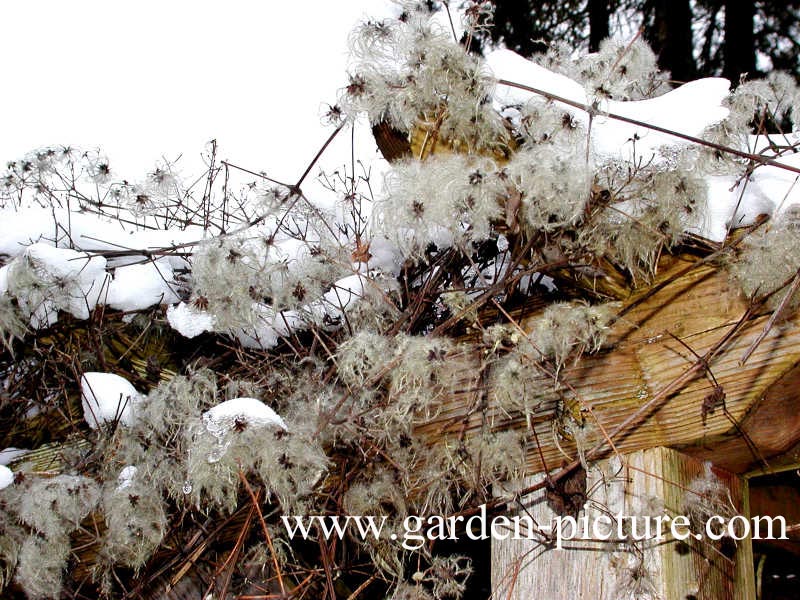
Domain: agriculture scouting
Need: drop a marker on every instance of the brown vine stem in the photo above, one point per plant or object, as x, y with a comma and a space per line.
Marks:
775, 315
764, 160
230, 563
658, 399
264, 527
319, 153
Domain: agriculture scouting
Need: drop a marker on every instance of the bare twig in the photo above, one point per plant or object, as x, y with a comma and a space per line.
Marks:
756, 158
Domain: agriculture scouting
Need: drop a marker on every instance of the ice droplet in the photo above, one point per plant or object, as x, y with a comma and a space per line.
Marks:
187, 487
217, 453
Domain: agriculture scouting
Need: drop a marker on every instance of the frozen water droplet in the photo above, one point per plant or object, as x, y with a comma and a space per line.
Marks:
502, 243
187, 487
215, 427
217, 453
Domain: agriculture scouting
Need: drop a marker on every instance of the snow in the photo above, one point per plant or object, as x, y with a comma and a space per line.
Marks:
125, 477
65, 279
269, 327
60, 247
737, 202
9, 455
384, 256
262, 337
689, 109
769, 189
327, 312
721, 205
45, 240
502, 243
140, 286
240, 412
6, 477
107, 397
21, 227
75, 281
189, 321
508, 65
760, 143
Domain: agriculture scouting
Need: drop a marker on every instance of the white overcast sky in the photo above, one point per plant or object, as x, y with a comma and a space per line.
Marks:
145, 79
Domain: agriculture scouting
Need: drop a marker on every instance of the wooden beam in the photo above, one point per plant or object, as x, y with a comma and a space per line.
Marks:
772, 426
658, 339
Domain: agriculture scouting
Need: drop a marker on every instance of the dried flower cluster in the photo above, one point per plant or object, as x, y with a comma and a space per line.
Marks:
770, 263
619, 71
489, 263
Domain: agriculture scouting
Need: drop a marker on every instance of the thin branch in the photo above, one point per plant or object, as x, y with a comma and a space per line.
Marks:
254, 500
757, 158
787, 297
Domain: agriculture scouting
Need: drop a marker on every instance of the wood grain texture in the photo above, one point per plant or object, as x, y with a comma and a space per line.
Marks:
647, 482
656, 341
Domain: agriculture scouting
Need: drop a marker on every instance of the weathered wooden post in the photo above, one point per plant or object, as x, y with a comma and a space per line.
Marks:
648, 489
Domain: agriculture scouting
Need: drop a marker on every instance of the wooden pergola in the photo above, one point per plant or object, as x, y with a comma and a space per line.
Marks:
692, 373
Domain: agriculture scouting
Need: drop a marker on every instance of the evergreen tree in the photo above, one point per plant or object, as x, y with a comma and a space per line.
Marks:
668, 30
731, 38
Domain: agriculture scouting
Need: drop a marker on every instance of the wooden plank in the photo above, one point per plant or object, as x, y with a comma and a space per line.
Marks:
656, 341
772, 426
